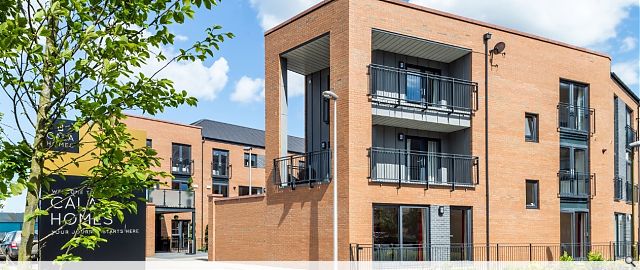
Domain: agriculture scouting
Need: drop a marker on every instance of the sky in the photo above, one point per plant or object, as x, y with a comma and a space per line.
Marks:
230, 85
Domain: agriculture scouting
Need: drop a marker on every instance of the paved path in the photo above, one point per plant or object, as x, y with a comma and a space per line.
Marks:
168, 256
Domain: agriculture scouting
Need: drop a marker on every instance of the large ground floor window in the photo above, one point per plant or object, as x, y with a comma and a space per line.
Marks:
421, 233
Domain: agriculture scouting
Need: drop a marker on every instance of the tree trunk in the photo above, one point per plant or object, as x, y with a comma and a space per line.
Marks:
43, 123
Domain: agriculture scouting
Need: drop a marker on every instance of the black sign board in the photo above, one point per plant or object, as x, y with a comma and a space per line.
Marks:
67, 138
125, 241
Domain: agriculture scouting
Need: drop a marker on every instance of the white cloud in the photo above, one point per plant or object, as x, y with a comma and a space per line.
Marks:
248, 90
628, 71
579, 22
181, 37
199, 80
273, 12
628, 44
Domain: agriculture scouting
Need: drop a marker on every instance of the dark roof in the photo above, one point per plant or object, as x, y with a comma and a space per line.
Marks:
625, 87
11, 217
218, 131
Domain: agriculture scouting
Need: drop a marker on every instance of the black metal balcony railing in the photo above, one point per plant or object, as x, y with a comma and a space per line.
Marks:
400, 87
426, 168
308, 168
631, 135
171, 198
575, 184
576, 118
618, 185
221, 171
492, 252
181, 166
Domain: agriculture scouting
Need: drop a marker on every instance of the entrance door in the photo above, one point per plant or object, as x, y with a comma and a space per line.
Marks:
574, 233
180, 235
574, 174
574, 97
461, 248
414, 233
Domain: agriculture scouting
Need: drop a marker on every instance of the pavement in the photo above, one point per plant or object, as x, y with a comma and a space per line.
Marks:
172, 256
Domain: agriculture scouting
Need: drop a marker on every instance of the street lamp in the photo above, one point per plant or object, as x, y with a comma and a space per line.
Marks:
635, 144
248, 148
332, 96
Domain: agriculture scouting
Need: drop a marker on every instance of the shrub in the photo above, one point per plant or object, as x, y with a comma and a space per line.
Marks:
566, 258
595, 256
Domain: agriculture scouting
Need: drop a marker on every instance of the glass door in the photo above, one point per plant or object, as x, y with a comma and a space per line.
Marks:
417, 158
574, 112
574, 173
460, 247
574, 234
414, 233
414, 88
400, 233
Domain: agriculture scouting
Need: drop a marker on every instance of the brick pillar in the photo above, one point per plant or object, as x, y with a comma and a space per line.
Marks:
211, 243
150, 230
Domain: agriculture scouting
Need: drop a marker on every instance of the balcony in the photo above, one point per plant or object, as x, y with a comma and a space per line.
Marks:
308, 168
419, 100
169, 198
575, 184
631, 135
422, 168
576, 119
181, 166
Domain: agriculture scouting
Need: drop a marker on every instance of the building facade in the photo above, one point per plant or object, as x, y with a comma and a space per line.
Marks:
456, 139
203, 158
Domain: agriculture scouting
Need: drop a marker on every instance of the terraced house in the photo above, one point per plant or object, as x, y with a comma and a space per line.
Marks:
456, 140
203, 158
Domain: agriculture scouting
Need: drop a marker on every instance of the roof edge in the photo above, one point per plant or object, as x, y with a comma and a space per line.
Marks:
624, 86
451, 16
161, 121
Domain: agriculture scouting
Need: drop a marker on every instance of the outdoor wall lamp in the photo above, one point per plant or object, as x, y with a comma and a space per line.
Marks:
440, 210
400, 136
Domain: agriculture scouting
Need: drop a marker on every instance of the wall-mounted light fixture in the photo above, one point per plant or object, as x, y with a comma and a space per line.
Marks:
440, 210
400, 136
323, 145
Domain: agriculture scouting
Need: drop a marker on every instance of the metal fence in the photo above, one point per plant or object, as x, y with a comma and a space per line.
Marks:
422, 90
425, 168
575, 184
492, 252
308, 168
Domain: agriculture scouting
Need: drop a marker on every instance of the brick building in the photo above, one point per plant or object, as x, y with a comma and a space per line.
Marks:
435, 162
206, 157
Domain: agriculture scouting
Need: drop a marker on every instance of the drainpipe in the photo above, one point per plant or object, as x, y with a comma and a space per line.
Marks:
634, 251
486, 39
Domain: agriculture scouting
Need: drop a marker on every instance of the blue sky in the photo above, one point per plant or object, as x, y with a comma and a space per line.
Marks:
230, 86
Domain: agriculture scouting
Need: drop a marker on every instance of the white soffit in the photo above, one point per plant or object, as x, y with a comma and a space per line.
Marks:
414, 46
309, 57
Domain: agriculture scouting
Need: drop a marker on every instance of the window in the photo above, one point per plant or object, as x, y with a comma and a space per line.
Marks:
221, 187
180, 183
622, 235
254, 160
149, 143
531, 127
181, 159
244, 190
532, 194
220, 164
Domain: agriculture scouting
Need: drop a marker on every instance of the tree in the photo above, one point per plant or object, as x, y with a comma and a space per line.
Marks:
81, 60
